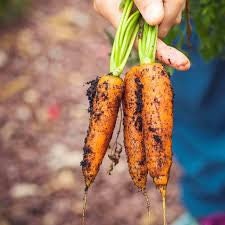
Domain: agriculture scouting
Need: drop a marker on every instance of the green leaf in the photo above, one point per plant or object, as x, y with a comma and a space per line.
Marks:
208, 18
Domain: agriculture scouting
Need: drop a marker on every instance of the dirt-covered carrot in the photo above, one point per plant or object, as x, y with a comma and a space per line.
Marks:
133, 136
103, 117
157, 117
133, 131
157, 112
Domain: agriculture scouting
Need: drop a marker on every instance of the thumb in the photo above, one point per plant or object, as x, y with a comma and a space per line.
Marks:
109, 9
151, 10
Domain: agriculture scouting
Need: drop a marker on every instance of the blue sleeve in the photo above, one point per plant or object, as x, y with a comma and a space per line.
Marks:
199, 133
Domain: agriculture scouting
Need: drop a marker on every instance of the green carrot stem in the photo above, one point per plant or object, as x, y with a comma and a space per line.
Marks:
125, 15
124, 39
115, 47
145, 37
147, 44
140, 49
125, 20
121, 67
129, 31
155, 35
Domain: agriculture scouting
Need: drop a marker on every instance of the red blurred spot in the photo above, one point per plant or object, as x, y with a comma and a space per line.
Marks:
54, 112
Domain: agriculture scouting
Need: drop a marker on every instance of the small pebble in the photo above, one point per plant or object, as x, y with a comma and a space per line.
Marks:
60, 156
50, 219
63, 181
81, 19
23, 113
55, 53
31, 96
23, 190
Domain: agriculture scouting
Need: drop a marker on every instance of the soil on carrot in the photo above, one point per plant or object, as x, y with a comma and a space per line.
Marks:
91, 91
157, 139
139, 104
138, 93
45, 62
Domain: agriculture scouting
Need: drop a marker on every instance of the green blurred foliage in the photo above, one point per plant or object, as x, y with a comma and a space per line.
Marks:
11, 10
208, 18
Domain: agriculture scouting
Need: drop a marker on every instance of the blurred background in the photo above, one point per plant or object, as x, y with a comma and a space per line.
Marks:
48, 51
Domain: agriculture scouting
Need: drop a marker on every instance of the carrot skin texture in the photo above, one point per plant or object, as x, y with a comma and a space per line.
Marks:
102, 121
133, 137
157, 117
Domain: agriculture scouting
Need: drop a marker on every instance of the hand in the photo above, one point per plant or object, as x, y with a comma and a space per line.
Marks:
155, 12
165, 13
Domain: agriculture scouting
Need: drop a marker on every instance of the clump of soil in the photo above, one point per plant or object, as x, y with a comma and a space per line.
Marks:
91, 91
138, 93
139, 103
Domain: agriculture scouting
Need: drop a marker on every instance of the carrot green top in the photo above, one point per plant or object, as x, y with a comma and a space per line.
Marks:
147, 43
130, 25
124, 39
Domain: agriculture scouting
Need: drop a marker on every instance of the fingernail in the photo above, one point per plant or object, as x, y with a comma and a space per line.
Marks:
185, 66
188, 65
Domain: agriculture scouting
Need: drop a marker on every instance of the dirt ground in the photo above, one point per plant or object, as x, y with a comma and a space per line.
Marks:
45, 63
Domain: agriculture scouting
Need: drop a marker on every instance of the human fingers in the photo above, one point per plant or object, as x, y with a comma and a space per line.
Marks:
109, 9
172, 57
172, 15
151, 10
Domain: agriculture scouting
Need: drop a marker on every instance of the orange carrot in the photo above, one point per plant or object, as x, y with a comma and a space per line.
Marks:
103, 117
133, 138
157, 117
157, 113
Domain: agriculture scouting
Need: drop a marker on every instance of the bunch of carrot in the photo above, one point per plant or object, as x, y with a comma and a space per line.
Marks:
147, 98
148, 117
